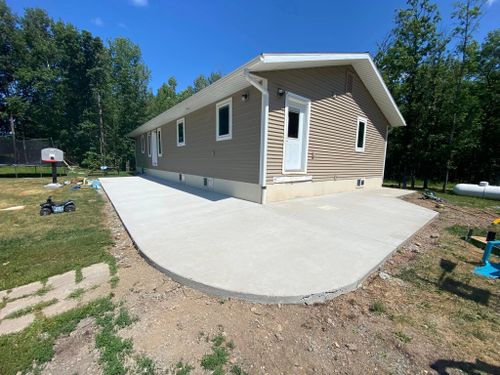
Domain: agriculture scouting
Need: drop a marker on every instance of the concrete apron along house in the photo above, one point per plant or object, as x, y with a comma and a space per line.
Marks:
281, 126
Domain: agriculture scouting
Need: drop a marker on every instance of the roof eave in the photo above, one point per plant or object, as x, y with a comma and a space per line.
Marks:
266, 61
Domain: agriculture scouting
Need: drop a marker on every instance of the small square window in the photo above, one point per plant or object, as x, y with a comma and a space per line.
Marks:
361, 135
224, 114
181, 132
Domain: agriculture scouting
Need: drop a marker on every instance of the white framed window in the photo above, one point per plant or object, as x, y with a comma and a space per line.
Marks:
159, 146
361, 134
181, 132
224, 119
149, 144
143, 144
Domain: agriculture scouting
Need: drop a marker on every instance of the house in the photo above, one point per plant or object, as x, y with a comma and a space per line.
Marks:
279, 127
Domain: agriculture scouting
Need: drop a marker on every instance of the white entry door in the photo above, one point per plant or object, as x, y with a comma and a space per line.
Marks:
296, 132
154, 149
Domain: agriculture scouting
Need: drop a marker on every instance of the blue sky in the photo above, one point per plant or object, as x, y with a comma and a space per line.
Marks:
185, 38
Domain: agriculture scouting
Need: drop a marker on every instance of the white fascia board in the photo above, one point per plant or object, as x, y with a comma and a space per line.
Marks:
269, 58
221, 88
387, 92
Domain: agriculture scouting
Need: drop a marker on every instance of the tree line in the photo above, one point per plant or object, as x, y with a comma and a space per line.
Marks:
447, 86
86, 94
59, 82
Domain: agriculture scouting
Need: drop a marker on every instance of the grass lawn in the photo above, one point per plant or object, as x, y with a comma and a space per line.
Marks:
44, 170
10, 171
447, 302
33, 247
459, 200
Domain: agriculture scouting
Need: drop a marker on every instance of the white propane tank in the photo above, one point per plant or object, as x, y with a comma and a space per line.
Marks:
482, 190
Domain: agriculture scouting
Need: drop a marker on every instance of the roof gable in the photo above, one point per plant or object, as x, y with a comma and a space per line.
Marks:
235, 81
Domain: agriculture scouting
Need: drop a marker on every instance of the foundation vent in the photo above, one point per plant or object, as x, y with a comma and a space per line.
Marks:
208, 182
360, 182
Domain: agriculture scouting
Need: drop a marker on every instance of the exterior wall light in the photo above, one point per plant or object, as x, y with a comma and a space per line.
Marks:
281, 92
245, 97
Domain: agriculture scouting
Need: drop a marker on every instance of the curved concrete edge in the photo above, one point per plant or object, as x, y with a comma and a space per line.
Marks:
307, 299
255, 298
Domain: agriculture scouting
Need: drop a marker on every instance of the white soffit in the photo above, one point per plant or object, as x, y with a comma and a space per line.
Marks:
236, 81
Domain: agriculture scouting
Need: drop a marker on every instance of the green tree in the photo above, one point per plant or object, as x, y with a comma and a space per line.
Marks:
165, 98
129, 82
410, 60
201, 81
466, 13
488, 92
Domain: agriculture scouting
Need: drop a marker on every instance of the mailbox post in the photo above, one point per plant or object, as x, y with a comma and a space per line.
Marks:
53, 156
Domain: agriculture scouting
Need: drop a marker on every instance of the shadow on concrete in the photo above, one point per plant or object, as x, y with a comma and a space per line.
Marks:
442, 366
205, 194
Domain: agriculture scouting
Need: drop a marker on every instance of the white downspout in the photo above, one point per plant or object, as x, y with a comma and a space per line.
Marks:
261, 85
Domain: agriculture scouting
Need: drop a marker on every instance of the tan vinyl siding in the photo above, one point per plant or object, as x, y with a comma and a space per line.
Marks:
333, 124
236, 159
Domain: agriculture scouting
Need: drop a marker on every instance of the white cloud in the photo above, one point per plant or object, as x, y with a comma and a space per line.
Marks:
139, 3
489, 2
97, 21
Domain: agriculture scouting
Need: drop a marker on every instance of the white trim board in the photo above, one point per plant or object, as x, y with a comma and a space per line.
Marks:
288, 179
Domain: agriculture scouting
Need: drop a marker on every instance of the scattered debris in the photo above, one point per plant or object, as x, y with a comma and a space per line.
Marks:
52, 186
429, 194
384, 275
352, 347
13, 208
255, 311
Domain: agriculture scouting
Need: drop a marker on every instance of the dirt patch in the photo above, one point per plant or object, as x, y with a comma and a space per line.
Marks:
76, 353
399, 323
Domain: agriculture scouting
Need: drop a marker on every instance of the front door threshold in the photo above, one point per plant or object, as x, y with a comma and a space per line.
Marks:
288, 179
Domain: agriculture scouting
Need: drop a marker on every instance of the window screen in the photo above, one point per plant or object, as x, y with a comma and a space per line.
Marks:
293, 123
361, 135
224, 120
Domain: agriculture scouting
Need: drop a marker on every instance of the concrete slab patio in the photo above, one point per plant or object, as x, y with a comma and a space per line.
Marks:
300, 251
